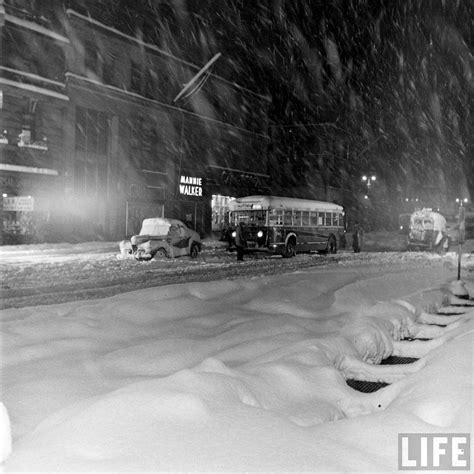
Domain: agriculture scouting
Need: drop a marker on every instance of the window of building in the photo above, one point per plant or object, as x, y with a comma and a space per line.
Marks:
111, 70
146, 145
220, 211
92, 60
151, 82
37, 54
30, 124
91, 157
136, 77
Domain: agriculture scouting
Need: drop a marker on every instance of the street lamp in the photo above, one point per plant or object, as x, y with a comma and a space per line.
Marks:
369, 179
462, 201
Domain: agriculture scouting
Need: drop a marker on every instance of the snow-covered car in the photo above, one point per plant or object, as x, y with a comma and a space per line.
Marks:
427, 231
162, 237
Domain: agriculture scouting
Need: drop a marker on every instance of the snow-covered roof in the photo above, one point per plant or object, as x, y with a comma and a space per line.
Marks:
279, 202
157, 225
439, 222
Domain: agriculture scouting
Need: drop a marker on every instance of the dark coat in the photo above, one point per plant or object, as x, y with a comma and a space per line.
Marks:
240, 237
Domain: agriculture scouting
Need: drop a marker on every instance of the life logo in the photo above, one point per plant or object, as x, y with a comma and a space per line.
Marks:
434, 451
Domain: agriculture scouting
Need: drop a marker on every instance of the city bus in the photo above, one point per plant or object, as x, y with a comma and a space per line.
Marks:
285, 226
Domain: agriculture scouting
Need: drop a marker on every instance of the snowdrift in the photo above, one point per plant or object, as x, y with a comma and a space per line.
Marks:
237, 375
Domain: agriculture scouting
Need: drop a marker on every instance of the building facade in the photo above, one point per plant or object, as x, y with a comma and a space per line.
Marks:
92, 140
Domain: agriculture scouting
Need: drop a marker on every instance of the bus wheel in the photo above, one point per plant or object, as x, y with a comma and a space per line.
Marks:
332, 245
290, 248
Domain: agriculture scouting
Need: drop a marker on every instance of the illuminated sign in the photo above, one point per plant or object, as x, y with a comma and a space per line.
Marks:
18, 203
190, 186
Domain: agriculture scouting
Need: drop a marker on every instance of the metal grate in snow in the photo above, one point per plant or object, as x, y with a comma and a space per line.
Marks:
452, 310
365, 387
370, 387
416, 339
395, 360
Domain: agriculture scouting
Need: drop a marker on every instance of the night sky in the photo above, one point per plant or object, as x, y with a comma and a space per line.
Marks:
393, 80
384, 85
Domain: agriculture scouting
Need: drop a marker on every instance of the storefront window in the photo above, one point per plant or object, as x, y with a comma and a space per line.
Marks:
220, 211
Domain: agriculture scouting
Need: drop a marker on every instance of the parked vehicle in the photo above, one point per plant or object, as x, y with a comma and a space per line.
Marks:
161, 237
285, 226
427, 231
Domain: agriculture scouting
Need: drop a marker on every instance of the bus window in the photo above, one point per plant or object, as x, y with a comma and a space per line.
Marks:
328, 219
320, 218
287, 218
272, 217
313, 218
305, 218
280, 217
276, 217
297, 218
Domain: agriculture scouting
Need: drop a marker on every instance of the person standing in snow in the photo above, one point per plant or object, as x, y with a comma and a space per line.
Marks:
357, 237
240, 242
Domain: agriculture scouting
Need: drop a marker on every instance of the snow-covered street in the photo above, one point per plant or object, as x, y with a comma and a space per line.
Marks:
239, 374
51, 273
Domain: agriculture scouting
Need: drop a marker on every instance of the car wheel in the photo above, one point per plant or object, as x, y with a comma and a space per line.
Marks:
141, 255
290, 248
161, 253
194, 250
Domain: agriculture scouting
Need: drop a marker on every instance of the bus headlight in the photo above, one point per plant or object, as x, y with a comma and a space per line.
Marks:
233, 234
260, 234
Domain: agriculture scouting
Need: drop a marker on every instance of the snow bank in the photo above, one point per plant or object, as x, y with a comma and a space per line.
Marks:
231, 375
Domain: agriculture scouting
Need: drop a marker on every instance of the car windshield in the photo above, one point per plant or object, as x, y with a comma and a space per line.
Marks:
154, 227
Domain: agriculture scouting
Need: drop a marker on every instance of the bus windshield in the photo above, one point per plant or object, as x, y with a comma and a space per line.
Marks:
249, 217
